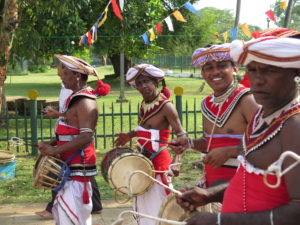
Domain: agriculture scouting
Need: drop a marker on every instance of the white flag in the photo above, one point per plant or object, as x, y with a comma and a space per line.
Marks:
121, 4
169, 23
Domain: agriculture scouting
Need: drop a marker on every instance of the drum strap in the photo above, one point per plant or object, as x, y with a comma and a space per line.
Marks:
65, 169
153, 154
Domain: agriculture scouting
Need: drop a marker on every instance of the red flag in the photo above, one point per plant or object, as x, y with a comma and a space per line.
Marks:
271, 16
89, 37
158, 28
216, 36
116, 9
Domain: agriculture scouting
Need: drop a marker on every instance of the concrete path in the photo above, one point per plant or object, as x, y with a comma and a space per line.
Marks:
23, 213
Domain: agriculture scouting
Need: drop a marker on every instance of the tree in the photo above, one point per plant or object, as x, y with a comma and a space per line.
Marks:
8, 24
295, 15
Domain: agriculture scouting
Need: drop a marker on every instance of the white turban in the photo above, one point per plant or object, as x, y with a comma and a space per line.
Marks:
76, 64
280, 52
146, 70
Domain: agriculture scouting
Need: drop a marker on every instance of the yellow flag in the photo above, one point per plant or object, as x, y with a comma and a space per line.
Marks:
225, 35
178, 16
283, 5
152, 35
104, 17
246, 30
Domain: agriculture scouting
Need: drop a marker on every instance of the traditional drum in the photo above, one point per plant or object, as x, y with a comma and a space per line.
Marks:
7, 165
118, 165
172, 211
50, 172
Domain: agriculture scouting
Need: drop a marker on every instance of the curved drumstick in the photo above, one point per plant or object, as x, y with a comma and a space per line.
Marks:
275, 168
153, 179
120, 218
16, 141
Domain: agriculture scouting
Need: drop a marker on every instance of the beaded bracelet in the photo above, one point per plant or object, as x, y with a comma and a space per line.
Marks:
271, 218
219, 219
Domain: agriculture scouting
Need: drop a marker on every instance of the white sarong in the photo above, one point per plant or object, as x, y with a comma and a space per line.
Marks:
68, 208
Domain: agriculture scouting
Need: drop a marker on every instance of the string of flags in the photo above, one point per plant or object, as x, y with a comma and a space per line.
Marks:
150, 35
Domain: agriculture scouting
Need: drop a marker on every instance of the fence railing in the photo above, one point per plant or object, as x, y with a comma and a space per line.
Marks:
117, 117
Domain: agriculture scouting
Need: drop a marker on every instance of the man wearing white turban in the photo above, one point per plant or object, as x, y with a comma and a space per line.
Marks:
273, 66
157, 114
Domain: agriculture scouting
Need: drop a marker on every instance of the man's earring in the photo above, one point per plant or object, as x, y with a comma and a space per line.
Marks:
78, 82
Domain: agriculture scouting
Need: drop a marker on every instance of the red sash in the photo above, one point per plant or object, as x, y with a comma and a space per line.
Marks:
223, 172
210, 109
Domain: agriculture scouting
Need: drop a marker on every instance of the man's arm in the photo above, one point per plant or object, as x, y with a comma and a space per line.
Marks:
248, 106
87, 115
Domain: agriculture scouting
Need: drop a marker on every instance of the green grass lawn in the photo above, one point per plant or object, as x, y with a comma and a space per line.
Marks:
19, 189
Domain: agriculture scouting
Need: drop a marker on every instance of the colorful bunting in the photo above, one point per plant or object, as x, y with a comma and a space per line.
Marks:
225, 36
283, 5
158, 28
145, 37
121, 4
104, 18
271, 16
246, 30
233, 33
177, 14
116, 9
152, 35
190, 7
169, 23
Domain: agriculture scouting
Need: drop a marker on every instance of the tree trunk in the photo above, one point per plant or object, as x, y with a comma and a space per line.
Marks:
115, 61
7, 29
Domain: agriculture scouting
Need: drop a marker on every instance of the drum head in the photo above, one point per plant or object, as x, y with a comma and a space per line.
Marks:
170, 210
36, 165
123, 166
109, 158
6, 156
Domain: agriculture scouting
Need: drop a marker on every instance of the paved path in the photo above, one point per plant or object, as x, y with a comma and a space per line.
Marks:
23, 213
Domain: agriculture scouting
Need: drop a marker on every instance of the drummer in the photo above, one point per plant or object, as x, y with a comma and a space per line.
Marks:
157, 114
226, 113
74, 142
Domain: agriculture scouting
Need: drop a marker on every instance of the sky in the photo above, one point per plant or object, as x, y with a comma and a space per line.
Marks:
252, 11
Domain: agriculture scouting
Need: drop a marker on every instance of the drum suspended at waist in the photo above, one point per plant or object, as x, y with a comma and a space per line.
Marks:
118, 166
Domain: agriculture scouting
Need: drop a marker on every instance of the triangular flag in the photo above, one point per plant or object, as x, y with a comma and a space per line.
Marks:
89, 37
246, 30
283, 5
225, 35
271, 16
94, 33
104, 17
80, 41
158, 28
116, 9
190, 7
152, 35
145, 37
121, 4
233, 33
169, 23
177, 14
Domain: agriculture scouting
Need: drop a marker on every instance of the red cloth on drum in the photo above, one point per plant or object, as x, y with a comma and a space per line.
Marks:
89, 151
256, 196
163, 159
223, 172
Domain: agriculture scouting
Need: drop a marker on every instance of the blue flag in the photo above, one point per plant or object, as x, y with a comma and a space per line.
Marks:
190, 7
145, 37
233, 33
